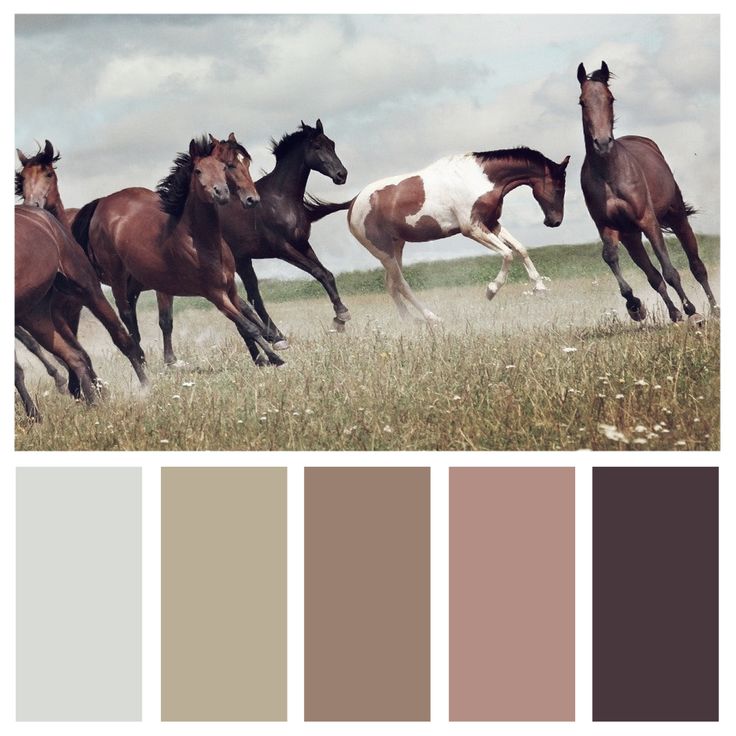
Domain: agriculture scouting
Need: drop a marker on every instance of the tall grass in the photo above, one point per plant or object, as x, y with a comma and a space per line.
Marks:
564, 371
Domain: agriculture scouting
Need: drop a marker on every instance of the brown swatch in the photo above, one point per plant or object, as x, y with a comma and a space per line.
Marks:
366, 591
223, 597
655, 594
512, 594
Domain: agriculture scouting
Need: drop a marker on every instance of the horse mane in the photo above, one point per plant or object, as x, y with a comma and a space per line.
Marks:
174, 189
289, 141
520, 153
42, 158
239, 148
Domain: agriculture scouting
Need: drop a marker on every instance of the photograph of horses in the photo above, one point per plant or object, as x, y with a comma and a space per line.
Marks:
519, 241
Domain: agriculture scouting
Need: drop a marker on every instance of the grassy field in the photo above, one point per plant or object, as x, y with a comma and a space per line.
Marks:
566, 370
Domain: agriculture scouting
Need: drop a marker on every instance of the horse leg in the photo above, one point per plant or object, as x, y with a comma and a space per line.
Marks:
166, 323
689, 243
494, 243
635, 247
226, 303
65, 330
40, 324
132, 295
397, 284
93, 298
250, 281
31, 345
306, 259
522, 252
652, 230
634, 306
20, 386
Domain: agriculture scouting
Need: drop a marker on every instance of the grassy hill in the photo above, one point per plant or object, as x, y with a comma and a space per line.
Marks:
558, 262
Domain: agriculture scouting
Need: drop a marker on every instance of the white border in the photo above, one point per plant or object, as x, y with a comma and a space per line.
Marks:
438, 462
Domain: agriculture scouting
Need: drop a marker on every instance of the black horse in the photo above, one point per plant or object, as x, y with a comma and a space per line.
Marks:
280, 226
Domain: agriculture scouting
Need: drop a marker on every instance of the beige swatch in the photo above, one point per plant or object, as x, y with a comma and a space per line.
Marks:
223, 599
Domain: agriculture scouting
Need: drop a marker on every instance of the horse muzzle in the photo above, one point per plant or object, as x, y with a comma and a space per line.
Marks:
340, 177
553, 221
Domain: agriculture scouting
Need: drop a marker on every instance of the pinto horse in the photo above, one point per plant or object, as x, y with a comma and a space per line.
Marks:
629, 189
457, 194
48, 262
171, 241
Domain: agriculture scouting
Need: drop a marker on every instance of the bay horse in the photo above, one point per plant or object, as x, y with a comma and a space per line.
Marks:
48, 262
457, 194
171, 240
280, 226
629, 189
36, 183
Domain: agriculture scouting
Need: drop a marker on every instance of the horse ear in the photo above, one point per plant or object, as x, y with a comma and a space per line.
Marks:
563, 164
582, 74
48, 149
605, 72
213, 140
21, 157
304, 125
231, 138
192, 148
318, 126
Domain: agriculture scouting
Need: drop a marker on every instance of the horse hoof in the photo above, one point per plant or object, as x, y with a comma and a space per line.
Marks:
281, 344
338, 324
432, 318
639, 313
343, 316
491, 291
540, 289
715, 311
696, 319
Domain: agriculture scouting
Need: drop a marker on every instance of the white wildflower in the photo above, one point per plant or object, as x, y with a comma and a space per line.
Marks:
569, 350
188, 384
612, 433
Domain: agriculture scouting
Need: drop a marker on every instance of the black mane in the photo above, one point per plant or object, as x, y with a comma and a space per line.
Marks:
42, 158
174, 189
290, 141
521, 153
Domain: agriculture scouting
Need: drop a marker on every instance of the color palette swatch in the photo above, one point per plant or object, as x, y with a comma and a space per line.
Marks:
223, 594
366, 594
655, 594
367, 562
512, 594
78, 594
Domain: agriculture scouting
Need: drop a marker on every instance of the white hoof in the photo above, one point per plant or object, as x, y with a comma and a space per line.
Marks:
431, 316
491, 291
696, 319
539, 287
280, 345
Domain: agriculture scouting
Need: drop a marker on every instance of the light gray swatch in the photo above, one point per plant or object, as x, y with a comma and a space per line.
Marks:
78, 594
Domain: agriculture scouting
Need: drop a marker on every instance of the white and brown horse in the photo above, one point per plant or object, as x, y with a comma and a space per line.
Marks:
457, 194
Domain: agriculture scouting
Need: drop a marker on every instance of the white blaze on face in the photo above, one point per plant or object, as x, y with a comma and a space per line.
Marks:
241, 158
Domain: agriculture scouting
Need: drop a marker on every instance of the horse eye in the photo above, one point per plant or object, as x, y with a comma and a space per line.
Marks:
231, 166
49, 174
197, 171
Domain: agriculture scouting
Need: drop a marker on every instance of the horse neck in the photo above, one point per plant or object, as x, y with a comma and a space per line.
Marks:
201, 221
507, 175
601, 164
56, 207
291, 173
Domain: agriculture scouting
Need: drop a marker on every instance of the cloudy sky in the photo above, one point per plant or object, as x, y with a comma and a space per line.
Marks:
120, 95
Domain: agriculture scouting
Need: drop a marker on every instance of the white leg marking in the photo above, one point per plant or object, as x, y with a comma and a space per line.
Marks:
493, 242
518, 248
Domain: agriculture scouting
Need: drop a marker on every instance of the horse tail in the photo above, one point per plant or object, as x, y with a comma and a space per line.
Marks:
317, 209
689, 210
80, 226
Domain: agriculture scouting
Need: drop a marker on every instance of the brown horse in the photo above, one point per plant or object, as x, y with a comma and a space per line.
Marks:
629, 190
48, 262
171, 241
36, 183
280, 227
457, 194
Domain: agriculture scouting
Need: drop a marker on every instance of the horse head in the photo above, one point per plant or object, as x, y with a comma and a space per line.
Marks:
237, 162
36, 181
596, 102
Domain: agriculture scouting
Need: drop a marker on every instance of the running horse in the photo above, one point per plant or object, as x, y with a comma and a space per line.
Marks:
47, 263
457, 194
629, 189
280, 226
171, 240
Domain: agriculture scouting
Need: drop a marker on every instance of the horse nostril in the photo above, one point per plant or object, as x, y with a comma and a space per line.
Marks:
252, 201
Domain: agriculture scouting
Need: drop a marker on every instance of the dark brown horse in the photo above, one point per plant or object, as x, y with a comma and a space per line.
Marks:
171, 241
629, 190
48, 263
457, 194
281, 226
36, 183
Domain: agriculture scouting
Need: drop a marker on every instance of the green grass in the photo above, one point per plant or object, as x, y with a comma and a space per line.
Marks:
567, 370
554, 261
